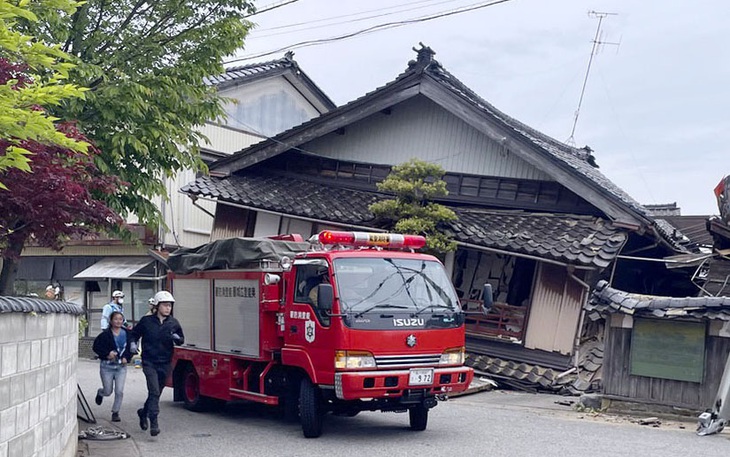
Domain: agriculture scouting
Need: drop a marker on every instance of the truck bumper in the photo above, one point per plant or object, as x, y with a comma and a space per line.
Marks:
396, 383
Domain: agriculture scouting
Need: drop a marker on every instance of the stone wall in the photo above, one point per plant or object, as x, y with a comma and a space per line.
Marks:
85, 348
38, 388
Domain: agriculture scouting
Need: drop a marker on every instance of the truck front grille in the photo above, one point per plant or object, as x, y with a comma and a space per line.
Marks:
399, 361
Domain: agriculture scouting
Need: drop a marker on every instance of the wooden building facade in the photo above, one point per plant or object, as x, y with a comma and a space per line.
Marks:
660, 350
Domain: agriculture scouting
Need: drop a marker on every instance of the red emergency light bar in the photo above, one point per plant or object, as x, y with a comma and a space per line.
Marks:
386, 240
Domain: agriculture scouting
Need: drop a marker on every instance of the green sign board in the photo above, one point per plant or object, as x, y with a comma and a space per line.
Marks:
668, 349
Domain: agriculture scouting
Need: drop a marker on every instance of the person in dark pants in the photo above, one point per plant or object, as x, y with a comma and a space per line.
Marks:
159, 332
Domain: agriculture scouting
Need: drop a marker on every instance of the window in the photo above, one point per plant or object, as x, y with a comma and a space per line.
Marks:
668, 349
309, 276
139, 301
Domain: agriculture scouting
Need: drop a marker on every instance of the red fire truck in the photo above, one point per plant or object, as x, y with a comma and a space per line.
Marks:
349, 322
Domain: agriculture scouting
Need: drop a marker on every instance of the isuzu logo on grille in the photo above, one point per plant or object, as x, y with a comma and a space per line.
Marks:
411, 340
412, 322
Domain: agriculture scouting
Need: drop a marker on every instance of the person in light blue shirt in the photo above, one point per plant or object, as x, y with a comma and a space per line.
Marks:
117, 304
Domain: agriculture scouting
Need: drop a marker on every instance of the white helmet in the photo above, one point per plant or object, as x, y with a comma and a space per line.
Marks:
164, 296
117, 294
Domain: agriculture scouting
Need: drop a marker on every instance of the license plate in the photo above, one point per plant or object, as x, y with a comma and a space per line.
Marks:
420, 376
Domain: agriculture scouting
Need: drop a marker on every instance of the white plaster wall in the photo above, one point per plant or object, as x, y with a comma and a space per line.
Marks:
38, 358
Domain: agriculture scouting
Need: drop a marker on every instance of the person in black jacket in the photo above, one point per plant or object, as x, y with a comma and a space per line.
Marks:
113, 346
159, 332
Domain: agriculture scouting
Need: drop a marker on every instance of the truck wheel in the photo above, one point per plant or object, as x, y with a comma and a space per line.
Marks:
310, 409
191, 391
418, 418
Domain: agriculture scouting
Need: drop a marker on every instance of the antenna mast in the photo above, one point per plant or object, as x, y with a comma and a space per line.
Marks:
594, 50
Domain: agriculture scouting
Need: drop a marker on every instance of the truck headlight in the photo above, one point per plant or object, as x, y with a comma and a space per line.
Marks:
454, 356
354, 360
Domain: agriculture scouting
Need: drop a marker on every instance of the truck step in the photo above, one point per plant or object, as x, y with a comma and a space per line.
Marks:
254, 396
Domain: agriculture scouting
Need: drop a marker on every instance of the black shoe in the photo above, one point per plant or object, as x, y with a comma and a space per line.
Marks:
154, 427
115, 417
142, 419
98, 399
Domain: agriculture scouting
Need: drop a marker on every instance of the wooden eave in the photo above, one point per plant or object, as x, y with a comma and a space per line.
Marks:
309, 90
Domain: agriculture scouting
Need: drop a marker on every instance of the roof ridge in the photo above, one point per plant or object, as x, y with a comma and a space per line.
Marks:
287, 59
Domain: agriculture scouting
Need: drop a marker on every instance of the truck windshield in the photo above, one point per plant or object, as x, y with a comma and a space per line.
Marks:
405, 285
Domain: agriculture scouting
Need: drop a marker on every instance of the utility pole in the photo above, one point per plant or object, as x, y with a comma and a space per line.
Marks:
594, 50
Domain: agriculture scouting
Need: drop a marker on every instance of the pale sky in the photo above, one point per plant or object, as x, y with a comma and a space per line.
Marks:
655, 109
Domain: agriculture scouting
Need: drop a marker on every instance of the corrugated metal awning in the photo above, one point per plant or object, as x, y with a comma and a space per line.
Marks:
115, 268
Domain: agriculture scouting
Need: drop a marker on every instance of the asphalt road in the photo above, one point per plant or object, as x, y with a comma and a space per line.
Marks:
497, 423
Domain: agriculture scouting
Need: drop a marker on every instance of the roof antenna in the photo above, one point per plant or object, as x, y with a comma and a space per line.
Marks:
597, 42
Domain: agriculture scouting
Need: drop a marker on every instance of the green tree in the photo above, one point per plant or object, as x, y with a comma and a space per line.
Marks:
415, 183
145, 64
35, 77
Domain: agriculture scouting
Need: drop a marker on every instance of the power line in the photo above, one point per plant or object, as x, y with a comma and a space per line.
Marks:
380, 10
272, 6
373, 29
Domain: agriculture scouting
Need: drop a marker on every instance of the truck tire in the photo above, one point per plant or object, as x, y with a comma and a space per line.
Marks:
310, 409
418, 417
191, 392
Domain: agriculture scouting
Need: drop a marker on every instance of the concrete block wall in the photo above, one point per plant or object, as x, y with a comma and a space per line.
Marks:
38, 387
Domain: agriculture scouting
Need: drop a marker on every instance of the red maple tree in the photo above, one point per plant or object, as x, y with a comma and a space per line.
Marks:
61, 198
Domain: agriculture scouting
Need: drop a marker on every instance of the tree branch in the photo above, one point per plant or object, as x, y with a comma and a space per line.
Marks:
85, 53
169, 39
123, 25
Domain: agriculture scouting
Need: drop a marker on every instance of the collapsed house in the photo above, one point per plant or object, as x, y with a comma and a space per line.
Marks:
536, 218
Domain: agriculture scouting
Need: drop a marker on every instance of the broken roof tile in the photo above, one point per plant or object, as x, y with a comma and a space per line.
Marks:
605, 299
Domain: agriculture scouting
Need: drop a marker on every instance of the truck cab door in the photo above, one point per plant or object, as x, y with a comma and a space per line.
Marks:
308, 327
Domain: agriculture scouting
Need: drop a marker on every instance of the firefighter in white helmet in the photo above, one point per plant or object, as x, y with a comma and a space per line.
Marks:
153, 306
117, 304
159, 333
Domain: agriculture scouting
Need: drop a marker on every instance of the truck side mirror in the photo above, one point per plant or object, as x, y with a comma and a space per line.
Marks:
325, 297
488, 298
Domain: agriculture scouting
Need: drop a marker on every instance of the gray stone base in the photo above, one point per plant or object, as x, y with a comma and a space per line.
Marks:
85, 345
619, 406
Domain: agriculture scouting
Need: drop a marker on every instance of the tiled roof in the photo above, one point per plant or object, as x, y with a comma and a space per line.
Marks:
605, 299
694, 228
571, 239
577, 161
38, 305
252, 70
583, 240
531, 377
288, 195
287, 64
671, 233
